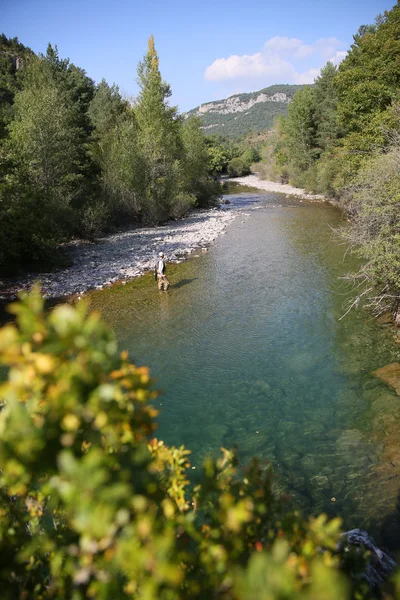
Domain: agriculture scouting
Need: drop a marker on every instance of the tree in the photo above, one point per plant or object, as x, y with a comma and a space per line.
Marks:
43, 178
124, 171
106, 109
195, 164
160, 140
367, 83
374, 202
13, 56
326, 102
44, 138
300, 133
238, 167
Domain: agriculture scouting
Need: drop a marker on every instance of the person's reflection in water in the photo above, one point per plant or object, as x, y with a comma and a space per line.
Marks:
164, 308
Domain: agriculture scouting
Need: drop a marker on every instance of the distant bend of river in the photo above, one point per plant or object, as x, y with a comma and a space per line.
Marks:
248, 349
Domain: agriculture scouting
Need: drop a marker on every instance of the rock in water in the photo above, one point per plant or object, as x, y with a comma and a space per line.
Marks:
379, 566
390, 375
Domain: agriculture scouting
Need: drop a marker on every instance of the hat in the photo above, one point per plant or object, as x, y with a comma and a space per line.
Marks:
161, 254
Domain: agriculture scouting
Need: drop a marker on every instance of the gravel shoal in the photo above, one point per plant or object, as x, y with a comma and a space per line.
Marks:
126, 255
272, 186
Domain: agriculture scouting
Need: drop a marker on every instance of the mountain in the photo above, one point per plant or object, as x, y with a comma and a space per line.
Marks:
239, 114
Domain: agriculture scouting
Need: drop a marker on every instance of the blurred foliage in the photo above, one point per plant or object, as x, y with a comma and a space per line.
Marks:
94, 506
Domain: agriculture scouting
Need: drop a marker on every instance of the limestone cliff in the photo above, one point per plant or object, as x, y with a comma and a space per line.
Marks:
241, 113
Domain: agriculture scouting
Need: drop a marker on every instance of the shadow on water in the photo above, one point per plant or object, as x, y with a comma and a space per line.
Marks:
183, 282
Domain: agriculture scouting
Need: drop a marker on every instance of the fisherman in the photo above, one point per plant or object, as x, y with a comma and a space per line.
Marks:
159, 273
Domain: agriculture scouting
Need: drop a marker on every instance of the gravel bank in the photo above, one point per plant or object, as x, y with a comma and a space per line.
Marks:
126, 255
272, 186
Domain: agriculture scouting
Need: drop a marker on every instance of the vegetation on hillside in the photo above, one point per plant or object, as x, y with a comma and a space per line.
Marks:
341, 138
77, 158
94, 506
259, 117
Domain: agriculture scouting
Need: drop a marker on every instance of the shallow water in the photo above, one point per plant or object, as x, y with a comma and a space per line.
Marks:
248, 349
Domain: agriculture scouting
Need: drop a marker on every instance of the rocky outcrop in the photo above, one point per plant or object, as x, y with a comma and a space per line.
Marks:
390, 375
241, 113
380, 565
234, 104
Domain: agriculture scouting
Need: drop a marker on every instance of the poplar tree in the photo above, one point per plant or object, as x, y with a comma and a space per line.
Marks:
159, 137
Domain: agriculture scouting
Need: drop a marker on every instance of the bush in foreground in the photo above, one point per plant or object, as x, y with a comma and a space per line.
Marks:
94, 506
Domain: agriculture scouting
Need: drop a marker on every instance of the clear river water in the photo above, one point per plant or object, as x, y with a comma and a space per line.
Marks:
248, 350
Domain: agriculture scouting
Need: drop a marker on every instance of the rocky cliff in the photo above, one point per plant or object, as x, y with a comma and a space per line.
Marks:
239, 114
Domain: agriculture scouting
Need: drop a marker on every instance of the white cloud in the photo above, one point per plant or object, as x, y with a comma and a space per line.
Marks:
285, 46
337, 58
282, 60
325, 47
248, 66
307, 77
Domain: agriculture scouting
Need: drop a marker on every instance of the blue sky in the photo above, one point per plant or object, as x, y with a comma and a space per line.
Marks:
208, 49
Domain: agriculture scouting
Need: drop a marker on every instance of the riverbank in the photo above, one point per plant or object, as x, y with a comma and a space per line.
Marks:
271, 186
126, 255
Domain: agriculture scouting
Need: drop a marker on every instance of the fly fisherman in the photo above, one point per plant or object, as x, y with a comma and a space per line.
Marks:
159, 273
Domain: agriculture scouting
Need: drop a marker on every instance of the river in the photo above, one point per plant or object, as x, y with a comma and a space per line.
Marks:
248, 349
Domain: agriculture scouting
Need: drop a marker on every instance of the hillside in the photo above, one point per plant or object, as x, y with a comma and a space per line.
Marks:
239, 114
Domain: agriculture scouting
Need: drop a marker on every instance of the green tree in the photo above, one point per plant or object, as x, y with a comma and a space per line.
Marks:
238, 167
80, 90
300, 130
374, 202
159, 136
195, 164
326, 102
124, 171
217, 159
13, 58
44, 138
367, 84
106, 109
44, 176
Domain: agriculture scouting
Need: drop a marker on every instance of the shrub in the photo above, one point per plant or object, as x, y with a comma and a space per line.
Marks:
182, 204
373, 201
238, 167
93, 219
32, 227
94, 506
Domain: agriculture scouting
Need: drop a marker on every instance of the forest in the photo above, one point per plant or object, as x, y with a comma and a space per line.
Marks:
77, 158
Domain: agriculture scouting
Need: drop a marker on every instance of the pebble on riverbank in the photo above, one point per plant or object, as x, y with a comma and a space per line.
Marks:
272, 186
127, 255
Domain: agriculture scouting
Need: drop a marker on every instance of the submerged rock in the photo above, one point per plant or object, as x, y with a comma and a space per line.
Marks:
390, 375
380, 565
